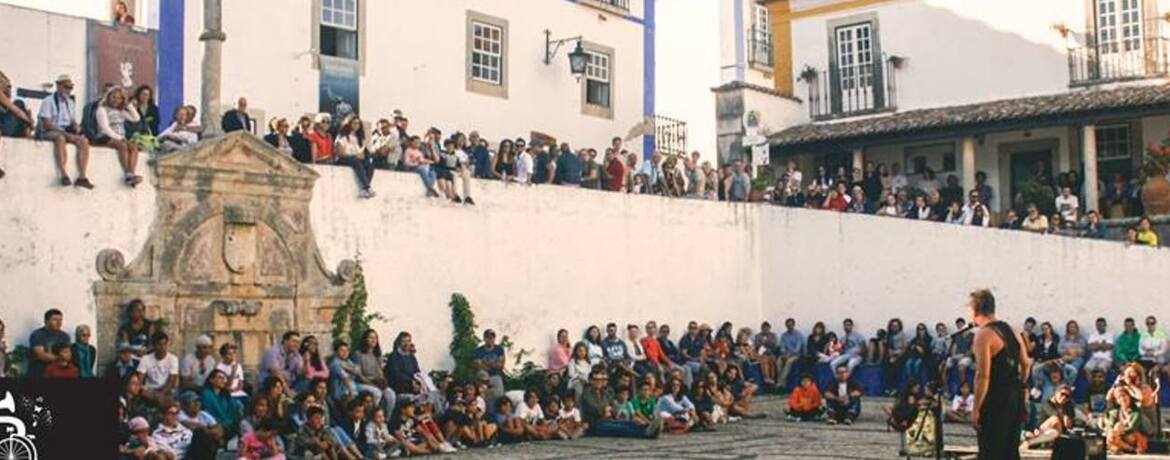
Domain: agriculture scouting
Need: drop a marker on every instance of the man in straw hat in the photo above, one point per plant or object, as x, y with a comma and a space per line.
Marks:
58, 123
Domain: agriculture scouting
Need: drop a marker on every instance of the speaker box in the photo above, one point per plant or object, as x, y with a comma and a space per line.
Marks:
1088, 447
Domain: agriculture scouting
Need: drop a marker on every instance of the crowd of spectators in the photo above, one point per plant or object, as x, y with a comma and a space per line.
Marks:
361, 402
885, 191
128, 122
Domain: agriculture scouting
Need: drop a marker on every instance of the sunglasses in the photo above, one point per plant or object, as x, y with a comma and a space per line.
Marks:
172, 412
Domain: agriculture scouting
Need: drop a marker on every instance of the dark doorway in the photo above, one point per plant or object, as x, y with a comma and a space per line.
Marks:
1028, 164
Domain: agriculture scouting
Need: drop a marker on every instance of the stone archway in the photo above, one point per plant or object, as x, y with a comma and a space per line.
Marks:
231, 253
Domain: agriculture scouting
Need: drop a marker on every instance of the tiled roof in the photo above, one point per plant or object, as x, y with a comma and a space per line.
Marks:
736, 84
1071, 103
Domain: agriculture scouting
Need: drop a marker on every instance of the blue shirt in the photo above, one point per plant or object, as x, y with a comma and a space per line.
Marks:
615, 349
853, 343
493, 354
792, 343
691, 347
482, 161
62, 112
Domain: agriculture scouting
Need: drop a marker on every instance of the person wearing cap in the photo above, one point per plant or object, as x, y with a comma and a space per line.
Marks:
490, 358
125, 364
237, 119
140, 444
58, 123
197, 420
198, 365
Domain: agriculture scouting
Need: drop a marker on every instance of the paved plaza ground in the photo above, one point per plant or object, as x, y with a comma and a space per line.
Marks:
771, 438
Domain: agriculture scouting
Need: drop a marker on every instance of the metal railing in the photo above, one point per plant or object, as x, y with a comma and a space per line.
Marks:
1135, 58
620, 4
670, 135
851, 91
760, 48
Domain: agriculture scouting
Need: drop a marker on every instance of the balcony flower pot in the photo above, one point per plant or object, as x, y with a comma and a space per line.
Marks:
1156, 188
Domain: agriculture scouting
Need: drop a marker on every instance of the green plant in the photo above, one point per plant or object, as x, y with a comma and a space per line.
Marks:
1157, 162
527, 375
765, 177
15, 359
352, 319
1034, 192
464, 340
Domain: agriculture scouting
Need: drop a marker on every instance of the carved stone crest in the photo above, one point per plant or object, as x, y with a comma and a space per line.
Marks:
231, 252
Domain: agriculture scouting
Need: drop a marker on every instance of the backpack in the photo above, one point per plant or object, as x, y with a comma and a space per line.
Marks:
89, 124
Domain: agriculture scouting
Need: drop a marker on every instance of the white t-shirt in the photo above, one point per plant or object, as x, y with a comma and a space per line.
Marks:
157, 371
235, 377
574, 415
523, 167
1097, 337
842, 389
529, 414
963, 404
1067, 206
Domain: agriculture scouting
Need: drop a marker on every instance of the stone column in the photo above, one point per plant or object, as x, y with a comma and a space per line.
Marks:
968, 152
1089, 162
212, 38
858, 160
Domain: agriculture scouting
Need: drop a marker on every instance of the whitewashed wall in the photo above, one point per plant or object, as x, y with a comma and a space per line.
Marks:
535, 260
39, 46
826, 266
272, 66
687, 62
957, 51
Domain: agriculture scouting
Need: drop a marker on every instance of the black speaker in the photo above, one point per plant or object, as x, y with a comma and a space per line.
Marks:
1087, 447
1159, 446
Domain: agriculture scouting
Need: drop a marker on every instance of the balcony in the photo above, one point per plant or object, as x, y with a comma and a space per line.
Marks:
613, 6
670, 136
851, 91
760, 48
1121, 59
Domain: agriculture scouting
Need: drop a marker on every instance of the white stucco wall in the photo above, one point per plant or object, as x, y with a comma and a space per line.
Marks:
272, 66
687, 60
827, 266
535, 260
958, 51
39, 46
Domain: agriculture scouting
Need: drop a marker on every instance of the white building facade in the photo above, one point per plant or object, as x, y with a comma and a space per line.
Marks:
998, 86
456, 65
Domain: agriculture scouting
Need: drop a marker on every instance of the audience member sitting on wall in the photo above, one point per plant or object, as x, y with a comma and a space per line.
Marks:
112, 114
15, 120
183, 132
58, 123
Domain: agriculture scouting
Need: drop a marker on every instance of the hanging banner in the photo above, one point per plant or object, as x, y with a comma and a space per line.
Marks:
121, 56
338, 95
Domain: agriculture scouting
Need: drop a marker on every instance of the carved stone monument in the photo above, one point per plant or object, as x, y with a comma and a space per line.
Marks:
231, 253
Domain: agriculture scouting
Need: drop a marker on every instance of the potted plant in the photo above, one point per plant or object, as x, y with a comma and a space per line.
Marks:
897, 61
1155, 187
808, 73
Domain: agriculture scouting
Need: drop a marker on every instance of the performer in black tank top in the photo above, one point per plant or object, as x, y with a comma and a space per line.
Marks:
1000, 368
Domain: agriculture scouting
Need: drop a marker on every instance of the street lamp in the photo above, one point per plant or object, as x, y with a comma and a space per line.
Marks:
578, 58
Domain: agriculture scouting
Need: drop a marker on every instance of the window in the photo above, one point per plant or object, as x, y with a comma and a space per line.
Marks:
760, 19
487, 55
854, 56
1119, 25
940, 158
1113, 142
339, 28
760, 38
597, 72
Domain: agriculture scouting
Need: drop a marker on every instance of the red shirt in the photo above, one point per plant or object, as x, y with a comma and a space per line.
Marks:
653, 352
617, 176
55, 371
836, 204
324, 146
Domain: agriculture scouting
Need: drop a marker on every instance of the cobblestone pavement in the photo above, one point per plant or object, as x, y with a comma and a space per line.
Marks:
772, 438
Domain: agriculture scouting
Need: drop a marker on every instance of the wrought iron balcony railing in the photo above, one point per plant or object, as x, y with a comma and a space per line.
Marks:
1121, 58
850, 91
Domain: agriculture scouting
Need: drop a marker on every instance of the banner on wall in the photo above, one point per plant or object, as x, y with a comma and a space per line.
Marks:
121, 56
338, 94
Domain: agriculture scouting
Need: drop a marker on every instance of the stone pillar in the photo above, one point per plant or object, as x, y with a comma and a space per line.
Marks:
1089, 163
212, 38
968, 152
858, 160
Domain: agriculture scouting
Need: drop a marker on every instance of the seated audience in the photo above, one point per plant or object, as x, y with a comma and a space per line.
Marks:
843, 398
805, 404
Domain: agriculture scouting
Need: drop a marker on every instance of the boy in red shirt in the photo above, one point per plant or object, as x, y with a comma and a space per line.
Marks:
63, 367
805, 403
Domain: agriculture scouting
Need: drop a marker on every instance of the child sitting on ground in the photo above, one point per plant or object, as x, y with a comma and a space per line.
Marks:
569, 418
379, 443
805, 404
961, 405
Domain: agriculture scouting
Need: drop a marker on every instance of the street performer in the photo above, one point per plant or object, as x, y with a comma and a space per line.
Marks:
1001, 364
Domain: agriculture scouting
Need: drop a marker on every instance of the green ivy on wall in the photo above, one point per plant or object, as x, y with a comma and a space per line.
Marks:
352, 319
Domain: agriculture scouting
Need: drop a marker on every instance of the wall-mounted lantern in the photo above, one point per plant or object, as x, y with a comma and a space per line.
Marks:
578, 58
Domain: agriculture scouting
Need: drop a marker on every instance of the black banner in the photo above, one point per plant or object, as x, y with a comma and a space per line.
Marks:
52, 419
